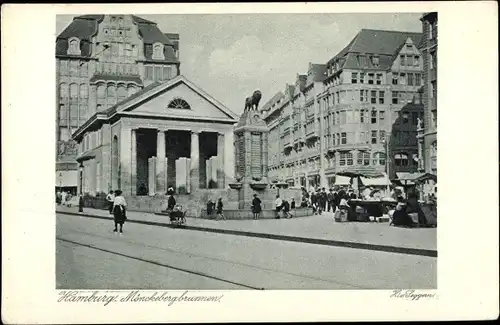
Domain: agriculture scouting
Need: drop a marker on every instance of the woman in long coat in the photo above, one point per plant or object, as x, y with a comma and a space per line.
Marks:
119, 211
256, 208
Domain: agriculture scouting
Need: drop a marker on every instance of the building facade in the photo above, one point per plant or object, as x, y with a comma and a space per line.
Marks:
358, 112
428, 132
169, 134
101, 60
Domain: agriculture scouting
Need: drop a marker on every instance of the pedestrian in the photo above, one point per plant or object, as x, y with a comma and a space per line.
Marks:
256, 206
210, 210
286, 209
330, 200
58, 197
324, 199
119, 211
80, 203
314, 201
171, 202
278, 205
64, 195
111, 199
220, 214
170, 190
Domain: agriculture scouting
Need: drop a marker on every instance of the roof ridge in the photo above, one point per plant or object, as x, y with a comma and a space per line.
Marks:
390, 31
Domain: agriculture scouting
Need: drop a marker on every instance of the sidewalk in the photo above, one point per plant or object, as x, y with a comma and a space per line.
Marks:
315, 230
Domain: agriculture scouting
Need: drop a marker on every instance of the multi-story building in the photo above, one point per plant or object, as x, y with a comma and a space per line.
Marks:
102, 60
359, 112
293, 119
428, 134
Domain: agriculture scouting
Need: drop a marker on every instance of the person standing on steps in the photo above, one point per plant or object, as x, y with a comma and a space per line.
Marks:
111, 199
119, 211
256, 206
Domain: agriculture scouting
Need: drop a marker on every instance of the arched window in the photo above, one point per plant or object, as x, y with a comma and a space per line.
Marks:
84, 91
131, 89
363, 158
179, 103
63, 90
121, 92
158, 51
101, 91
111, 94
74, 46
401, 159
350, 160
379, 158
73, 90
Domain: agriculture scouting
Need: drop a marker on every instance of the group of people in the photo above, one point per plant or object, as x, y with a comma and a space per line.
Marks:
217, 208
408, 213
117, 207
283, 207
321, 201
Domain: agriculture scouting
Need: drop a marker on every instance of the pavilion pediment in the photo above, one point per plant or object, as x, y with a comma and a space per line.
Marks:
179, 98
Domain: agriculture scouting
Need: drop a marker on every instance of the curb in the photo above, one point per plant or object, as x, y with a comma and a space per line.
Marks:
324, 242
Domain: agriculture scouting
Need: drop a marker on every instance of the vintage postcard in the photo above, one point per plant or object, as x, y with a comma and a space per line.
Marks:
248, 162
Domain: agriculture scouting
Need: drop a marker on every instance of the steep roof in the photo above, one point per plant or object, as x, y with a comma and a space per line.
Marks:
318, 72
370, 41
279, 95
85, 27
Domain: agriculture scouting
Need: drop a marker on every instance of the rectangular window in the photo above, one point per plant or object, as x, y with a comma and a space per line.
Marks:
374, 137
354, 77
371, 77
379, 78
362, 116
418, 79
374, 117
149, 73
414, 118
73, 112
394, 97
64, 134
350, 159
343, 136
373, 96
431, 32
63, 115
167, 73
337, 118
402, 60
361, 94
433, 92
362, 78
381, 116
416, 61
360, 158
382, 136
381, 95
434, 118
343, 157
410, 79
395, 78
402, 78
342, 117
158, 74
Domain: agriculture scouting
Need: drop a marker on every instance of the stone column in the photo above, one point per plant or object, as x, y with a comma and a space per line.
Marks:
160, 162
130, 188
248, 155
221, 175
195, 161
265, 150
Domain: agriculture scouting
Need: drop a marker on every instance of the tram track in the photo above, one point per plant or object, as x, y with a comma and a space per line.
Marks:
201, 274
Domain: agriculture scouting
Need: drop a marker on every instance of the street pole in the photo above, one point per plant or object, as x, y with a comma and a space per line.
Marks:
387, 163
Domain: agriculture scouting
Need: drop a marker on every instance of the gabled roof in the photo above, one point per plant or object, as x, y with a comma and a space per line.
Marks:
385, 43
279, 95
85, 27
144, 95
318, 72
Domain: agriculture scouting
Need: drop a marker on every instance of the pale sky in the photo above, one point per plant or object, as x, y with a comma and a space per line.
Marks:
230, 56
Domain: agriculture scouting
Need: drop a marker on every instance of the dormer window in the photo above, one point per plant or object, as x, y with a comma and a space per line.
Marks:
375, 61
74, 46
158, 51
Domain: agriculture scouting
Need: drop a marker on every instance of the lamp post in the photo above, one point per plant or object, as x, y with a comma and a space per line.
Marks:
386, 149
60, 181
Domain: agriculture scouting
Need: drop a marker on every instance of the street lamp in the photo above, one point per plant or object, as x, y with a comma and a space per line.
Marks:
386, 149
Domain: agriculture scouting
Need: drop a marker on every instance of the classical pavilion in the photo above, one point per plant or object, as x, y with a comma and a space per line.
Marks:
169, 134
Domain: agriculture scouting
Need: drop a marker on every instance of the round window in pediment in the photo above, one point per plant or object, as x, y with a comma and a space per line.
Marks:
179, 103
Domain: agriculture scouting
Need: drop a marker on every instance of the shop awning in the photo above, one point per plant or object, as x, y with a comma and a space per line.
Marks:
407, 178
342, 180
66, 178
375, 181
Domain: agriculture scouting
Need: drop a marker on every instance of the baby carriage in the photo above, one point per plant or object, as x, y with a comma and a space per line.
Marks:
177, 216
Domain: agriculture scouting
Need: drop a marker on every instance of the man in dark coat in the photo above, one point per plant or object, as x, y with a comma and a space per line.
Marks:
314, 201
331, 201
171, 202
